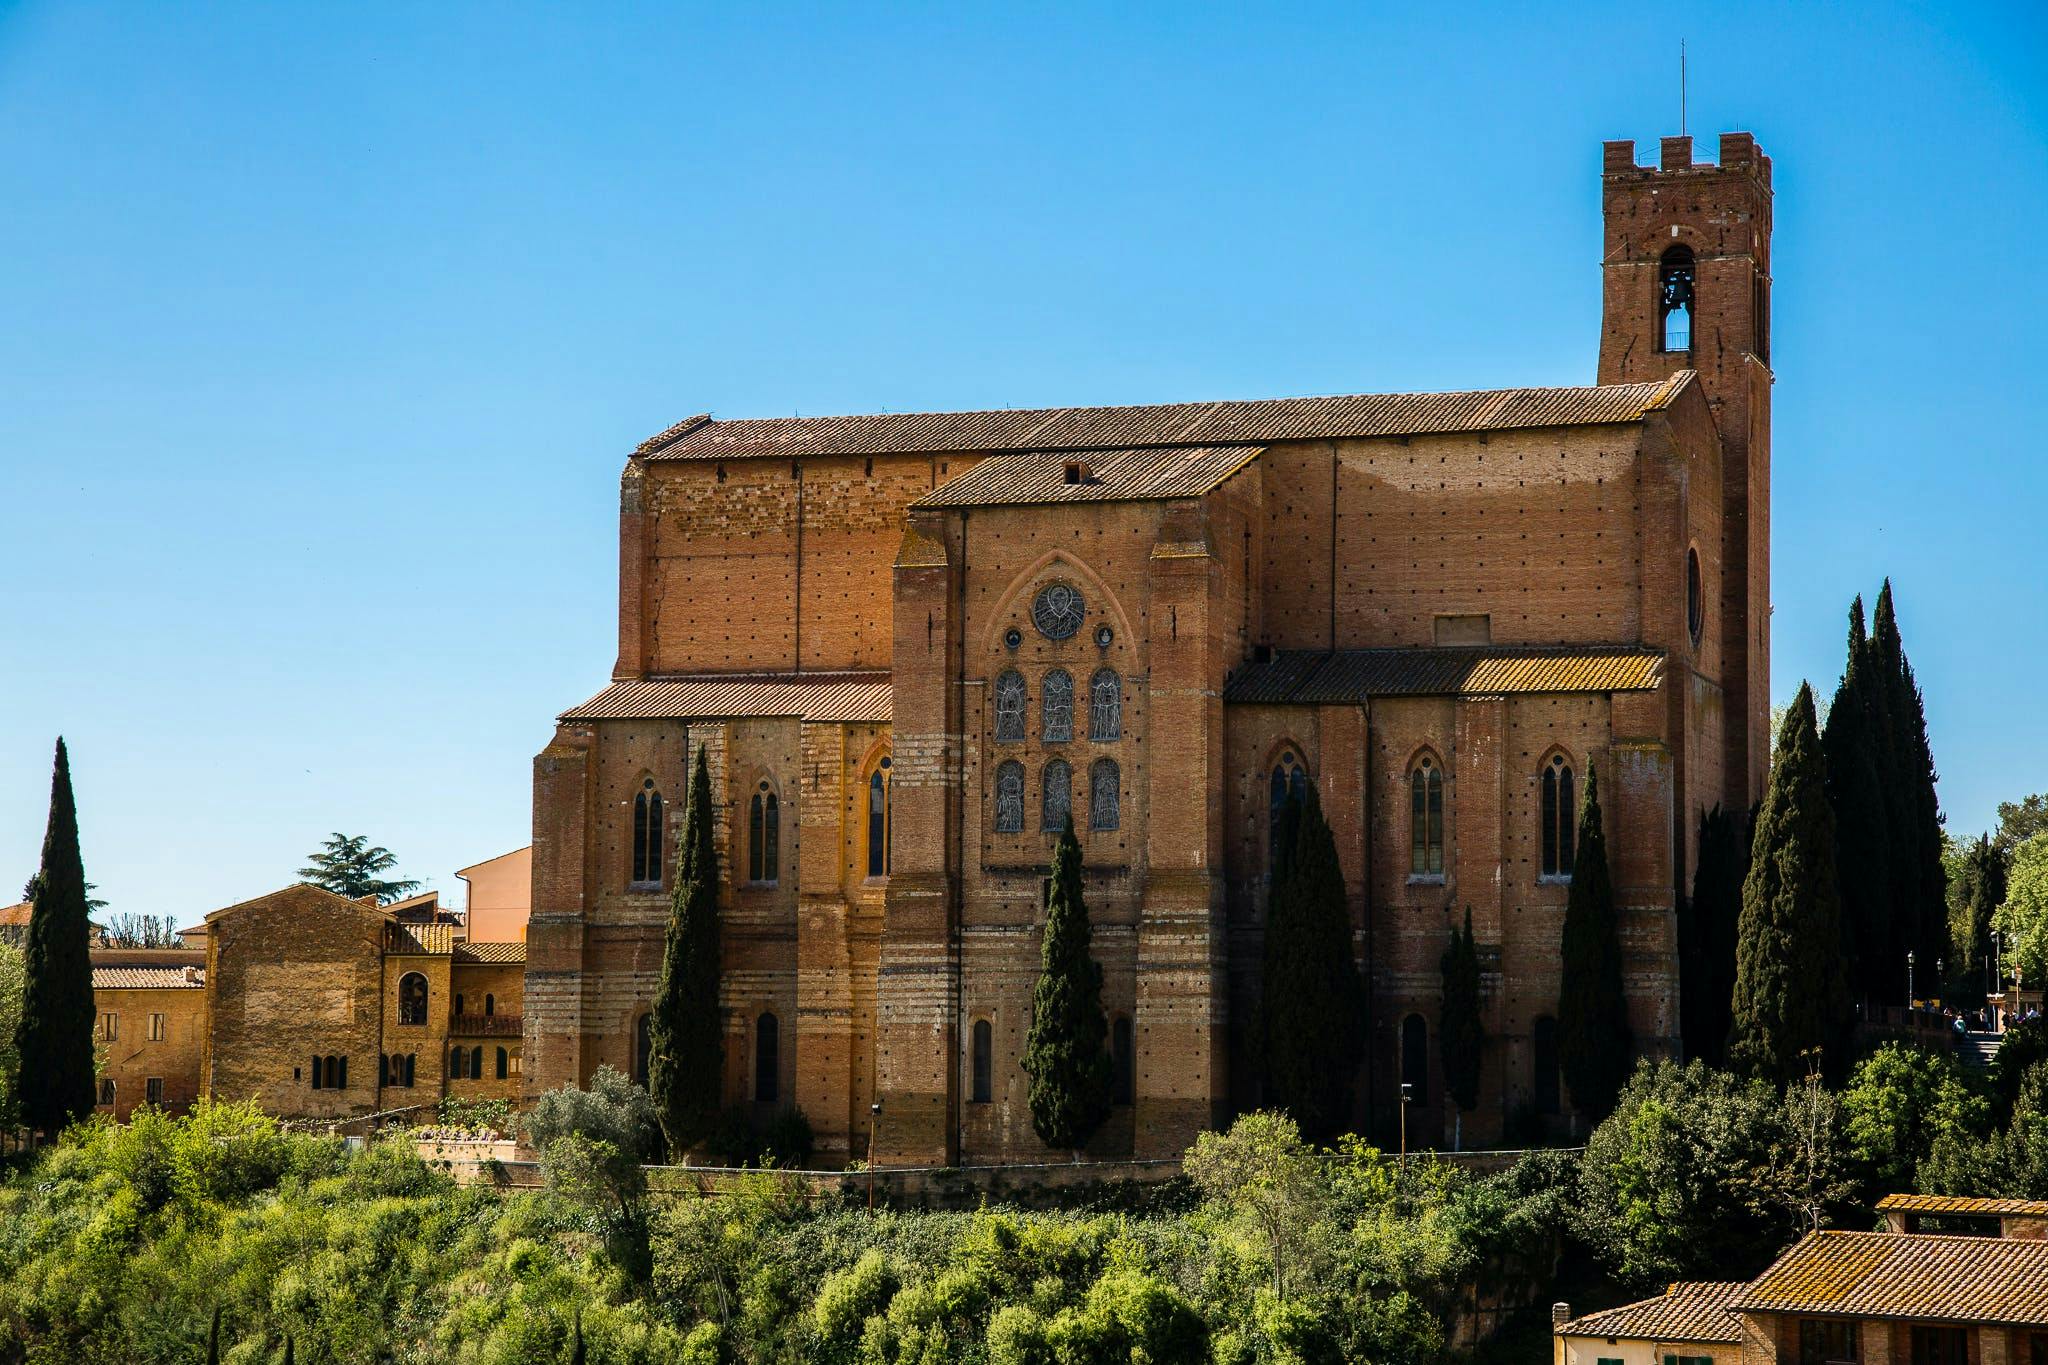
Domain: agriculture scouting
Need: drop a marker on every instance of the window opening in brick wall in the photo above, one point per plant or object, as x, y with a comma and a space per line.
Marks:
412, 999
1105, 794
1560, 814
1056, 799
647, 835
1426, 818
981, 1063
1676, 278
1009, 797
880, 831
1058, 703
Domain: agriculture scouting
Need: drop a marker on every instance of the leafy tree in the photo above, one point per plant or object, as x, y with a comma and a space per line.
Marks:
1896, 1103
13, 978
1266, 1180
1311, 1004
1682, 1180
591, 1144
349, 865
1461, 1032
1708, 923
2019, 821
686, 1063
2022, 918
53, 1038
1593, 1041
2008, 1164
1789, 993
1858, 780
1066, 1053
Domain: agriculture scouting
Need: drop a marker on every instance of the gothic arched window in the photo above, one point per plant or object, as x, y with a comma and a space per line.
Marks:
1105, 794
879, 831
767, 1058
643, 1046
1560, 813
1415, 1058
764, 835
1695, 599
1056, 801
1009, 797
1058, 704
1543, 1050
647, 835
1677, 277
1010, 704
503, 1062
412, 998
1105, 705
1426, 818
1288, 787
981, 1063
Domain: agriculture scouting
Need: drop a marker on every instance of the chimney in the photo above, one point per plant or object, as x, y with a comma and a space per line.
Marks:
191, 973
1560, 1314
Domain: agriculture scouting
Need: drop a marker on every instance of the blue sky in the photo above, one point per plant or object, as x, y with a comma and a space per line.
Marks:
328, 330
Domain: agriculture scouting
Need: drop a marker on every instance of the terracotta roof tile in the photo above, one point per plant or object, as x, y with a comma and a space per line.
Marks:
16, 914
147, 978
490, 952
1279, 419
1688, 1311
1310, 677
432, 939
1907, 1275
1954, 1203
1149, 474
813, 696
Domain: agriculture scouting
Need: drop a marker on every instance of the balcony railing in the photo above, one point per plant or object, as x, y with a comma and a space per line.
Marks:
484, 1026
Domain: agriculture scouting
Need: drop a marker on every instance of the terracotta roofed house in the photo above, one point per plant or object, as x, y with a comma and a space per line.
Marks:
1688, 1324
151, 1027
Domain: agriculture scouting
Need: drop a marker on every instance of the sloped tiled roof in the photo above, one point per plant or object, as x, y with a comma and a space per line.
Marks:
1149, 474
1688, 1311
1907, 1275
490, 952
433, 939
814, 696
1311, 677
157, 978
1955, 1203
1174, 424
13, 915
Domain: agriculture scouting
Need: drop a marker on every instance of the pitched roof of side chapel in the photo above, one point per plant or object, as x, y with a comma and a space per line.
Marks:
1190, 425
1695, 1310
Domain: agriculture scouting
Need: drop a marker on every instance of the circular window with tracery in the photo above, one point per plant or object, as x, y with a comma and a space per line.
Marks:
1057, 611
1695, 601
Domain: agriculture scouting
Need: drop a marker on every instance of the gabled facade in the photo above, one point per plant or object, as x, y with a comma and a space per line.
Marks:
910, 644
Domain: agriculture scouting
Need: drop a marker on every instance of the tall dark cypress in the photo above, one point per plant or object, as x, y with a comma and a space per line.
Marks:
1066, 1051
1857, 767
1461, 1029
1707, 931
1790, 992
685, 1068
54, 1037
1595, 1049
1311, 1004
1918, 877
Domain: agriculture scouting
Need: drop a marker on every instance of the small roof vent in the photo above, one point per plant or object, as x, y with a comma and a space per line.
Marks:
1078, 473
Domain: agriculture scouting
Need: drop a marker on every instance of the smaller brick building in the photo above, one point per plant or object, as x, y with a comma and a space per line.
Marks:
322, 1007
151, 1030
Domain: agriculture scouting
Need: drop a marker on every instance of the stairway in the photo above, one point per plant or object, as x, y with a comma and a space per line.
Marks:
1976, 1049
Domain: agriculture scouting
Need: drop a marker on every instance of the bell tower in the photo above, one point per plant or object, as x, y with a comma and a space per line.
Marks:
1686, 266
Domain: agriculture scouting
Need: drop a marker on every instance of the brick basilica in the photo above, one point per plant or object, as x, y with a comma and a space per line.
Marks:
910, 644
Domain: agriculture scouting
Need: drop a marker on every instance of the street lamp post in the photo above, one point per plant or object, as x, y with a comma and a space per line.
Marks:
1407, 1095
1910, 1001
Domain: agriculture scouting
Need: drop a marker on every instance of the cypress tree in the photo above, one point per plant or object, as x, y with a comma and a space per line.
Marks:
1066, 1053
213, 1339
1594, 1046
1460, 1030
1857, 766
54, 1037
1707, 930
1311, 1003
1918, 878
1790, 992
685, 1068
